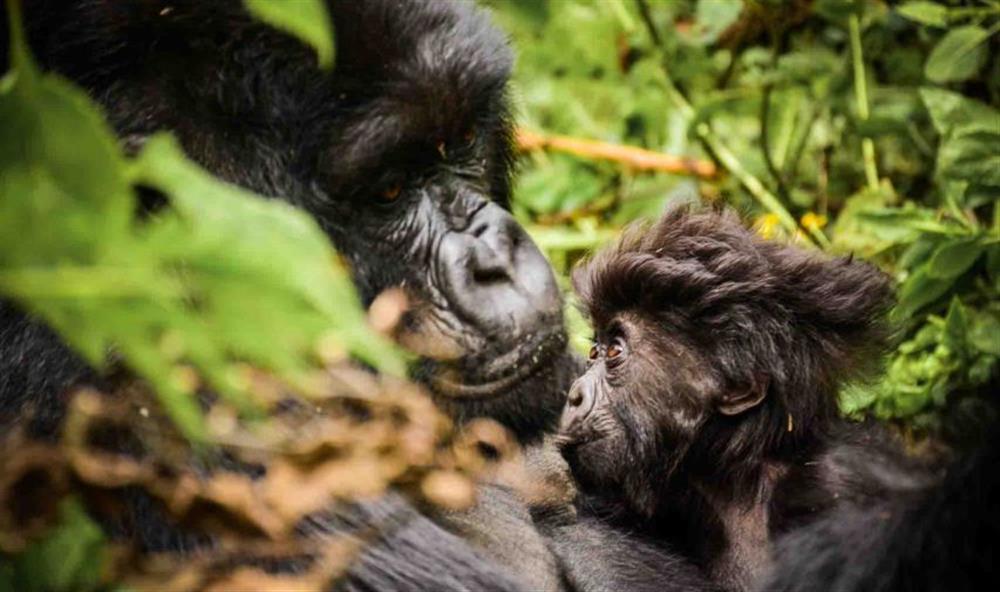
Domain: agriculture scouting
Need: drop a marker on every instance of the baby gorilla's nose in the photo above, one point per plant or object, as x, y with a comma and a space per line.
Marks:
579, 403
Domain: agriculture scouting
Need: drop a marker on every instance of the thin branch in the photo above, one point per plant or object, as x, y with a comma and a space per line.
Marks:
635, 158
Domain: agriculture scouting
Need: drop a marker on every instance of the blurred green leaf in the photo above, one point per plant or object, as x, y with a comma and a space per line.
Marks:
956, 326
958, 56
105, 279
954, 114
919, 290
70, 558
971, 157
306, 19
954, 258
713, 17
924, 12
984, 333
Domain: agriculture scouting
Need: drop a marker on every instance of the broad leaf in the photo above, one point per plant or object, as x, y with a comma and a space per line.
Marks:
984, 333
956, 326
919, 290
306, 19
924, 12
971, 157
958, 56
954, 258
954, 114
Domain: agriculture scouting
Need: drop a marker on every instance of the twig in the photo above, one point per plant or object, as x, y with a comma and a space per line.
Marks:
861, 96
635, 158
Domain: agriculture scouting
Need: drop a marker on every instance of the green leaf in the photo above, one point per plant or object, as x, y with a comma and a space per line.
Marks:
70, 558
971, 157
927, 13
306, 19
713, 17
954, 114
984, 333
956, 326
958, 56
919, 290
993, 264
855, 397
953, 258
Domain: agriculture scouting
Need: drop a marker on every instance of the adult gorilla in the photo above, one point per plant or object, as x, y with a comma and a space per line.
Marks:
403, 154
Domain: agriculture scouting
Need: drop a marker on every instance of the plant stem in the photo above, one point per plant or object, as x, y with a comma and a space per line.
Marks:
861, 96
765, 142
745, 177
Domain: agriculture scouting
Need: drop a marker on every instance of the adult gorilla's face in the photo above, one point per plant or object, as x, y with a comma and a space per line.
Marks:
402, 153
417, 172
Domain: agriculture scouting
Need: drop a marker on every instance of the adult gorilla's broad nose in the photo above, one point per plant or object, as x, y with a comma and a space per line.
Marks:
492, 257
504, 286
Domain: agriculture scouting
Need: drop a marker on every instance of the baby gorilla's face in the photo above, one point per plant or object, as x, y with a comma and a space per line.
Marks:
632, 414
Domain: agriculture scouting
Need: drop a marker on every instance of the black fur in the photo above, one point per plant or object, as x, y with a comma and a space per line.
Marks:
708, 418
919, 538
601, 559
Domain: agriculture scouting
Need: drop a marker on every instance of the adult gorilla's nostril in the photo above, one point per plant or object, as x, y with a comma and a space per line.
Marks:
493, 250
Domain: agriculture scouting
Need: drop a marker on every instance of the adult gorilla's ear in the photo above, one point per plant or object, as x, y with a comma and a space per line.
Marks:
737, 400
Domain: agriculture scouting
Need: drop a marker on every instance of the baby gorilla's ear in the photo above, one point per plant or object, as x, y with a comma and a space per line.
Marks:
739, 399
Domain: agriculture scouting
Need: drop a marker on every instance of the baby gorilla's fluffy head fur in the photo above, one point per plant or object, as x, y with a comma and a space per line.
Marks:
715, 352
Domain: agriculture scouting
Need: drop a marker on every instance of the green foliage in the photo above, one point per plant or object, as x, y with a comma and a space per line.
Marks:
217, 279
873, 125
69, 558
305, 19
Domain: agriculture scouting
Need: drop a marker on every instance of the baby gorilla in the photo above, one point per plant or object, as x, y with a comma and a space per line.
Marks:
707, 419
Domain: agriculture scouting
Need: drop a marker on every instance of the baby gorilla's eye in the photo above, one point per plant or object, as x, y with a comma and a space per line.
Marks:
391, 193
615, 349
469, 136
594, 352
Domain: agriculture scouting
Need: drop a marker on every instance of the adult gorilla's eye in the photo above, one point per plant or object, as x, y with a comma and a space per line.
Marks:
594, 352
391, 193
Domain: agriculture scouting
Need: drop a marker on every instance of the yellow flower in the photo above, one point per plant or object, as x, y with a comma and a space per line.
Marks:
813, 222
766, 225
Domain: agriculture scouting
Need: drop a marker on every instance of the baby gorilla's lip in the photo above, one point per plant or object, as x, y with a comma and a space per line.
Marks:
567, 442
501, 372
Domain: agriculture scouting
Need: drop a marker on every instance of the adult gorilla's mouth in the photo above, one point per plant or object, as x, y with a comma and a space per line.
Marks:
495, 373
